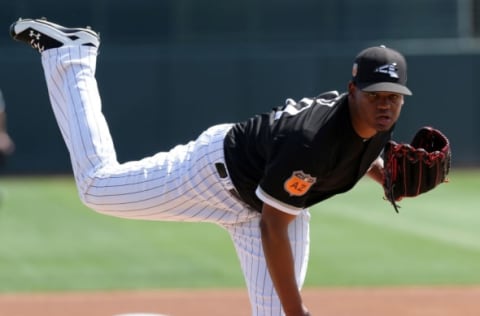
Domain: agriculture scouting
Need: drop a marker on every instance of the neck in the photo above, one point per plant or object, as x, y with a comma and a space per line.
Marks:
363, 131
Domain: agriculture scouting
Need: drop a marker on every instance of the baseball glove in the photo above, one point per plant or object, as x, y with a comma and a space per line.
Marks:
411, 170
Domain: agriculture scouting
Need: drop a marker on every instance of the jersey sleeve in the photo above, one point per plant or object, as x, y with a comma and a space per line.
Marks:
288, 177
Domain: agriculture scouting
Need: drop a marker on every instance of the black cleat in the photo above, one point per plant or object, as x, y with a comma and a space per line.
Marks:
43, 35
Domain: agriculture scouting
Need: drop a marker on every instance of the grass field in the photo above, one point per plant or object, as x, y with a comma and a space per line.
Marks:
50, 241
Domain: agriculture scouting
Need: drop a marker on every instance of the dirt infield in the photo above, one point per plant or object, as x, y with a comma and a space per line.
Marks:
413, 301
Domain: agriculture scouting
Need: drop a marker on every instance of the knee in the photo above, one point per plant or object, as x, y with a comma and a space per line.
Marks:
87, 195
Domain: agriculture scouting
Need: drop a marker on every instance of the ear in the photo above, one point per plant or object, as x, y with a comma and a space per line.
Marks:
351, 88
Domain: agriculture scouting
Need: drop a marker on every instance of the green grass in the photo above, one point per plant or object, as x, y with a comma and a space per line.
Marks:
50, 241
359, 240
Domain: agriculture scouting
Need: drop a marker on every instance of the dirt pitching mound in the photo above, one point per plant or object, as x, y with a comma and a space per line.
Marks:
414, 301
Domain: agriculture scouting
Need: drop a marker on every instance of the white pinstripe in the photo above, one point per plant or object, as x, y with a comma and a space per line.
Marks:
179, 185
248, 244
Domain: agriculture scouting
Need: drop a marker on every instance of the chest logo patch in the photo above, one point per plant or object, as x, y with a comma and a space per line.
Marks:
299, 183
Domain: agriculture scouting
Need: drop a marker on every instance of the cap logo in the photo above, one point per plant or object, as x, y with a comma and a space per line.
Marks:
388, 69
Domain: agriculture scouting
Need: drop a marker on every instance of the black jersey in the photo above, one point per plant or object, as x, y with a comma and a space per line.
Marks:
300, 154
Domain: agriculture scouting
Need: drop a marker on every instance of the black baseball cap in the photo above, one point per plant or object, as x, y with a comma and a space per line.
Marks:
380, 68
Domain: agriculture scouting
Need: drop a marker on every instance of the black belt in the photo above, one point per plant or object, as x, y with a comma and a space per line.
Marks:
223, 174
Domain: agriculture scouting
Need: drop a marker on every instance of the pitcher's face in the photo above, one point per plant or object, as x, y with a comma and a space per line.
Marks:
374, 112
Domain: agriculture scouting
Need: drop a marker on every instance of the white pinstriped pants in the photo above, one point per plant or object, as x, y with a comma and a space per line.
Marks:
179, 185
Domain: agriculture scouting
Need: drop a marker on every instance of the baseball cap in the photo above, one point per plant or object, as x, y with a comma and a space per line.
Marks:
380, 68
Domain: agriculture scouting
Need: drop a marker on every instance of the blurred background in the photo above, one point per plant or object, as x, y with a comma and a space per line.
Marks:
168, 69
